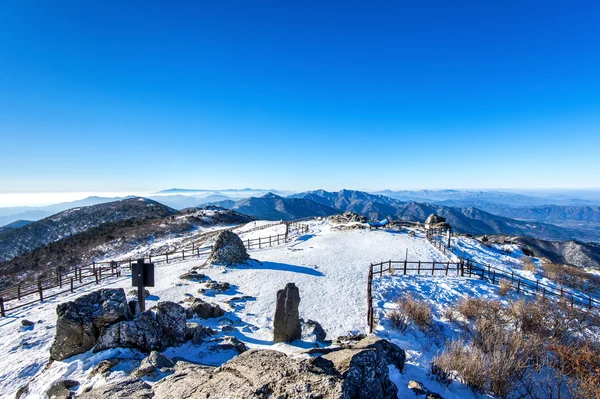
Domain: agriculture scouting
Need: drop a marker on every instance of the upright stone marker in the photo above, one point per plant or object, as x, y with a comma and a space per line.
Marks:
286, 325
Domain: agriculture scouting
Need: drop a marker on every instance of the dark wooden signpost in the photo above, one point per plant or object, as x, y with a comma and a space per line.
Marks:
142, 275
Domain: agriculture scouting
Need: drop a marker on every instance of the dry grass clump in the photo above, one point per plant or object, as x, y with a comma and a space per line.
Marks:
572, 276
524, 349
417, 310
504, 287
528, 265
474, 308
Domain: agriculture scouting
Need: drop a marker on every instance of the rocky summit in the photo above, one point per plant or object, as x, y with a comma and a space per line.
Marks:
358, 371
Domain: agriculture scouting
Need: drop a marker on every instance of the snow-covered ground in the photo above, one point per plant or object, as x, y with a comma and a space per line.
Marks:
329, 266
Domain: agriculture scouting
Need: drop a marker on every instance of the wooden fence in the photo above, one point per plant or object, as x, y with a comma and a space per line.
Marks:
467, 268
67, 281
519, 283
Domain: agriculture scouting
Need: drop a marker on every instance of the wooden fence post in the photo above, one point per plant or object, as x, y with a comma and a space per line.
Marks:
96, 275
41, 292
518, 285
405, 262
537, 285
419, 268
183, 254
447, 267
270, 242
494, 278
80, 276
248, 243
19, 292
100, 273
433, 268
390, 266
167, 255
258, 242
71, 283
2, 311
149, 258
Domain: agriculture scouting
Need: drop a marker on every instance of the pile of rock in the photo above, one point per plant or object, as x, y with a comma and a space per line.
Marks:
434, 219
347, 217
228, 249
102, 320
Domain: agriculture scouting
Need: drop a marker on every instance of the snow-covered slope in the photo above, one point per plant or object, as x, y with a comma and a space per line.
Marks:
330, 267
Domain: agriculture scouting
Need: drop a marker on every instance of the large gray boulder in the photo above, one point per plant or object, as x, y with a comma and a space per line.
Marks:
228, 249
171, 318
286, 324
434, 219
364, 368
202, 309
80, 322
143, 333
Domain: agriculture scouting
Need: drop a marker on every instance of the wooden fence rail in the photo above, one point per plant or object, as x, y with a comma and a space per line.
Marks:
67, 281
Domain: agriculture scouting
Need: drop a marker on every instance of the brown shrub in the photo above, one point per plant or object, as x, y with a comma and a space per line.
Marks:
571, 276
474, 308
419, 311
581, 362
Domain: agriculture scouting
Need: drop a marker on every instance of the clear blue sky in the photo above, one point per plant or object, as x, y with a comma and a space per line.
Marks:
117, 96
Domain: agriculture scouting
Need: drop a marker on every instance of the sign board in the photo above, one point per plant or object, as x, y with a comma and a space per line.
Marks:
146, 272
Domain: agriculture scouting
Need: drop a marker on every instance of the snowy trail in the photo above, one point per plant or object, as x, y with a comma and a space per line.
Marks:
329, 267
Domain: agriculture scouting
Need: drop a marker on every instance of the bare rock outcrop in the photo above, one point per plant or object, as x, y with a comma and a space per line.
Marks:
286, 324
228, 249
358, 373
348, 217
131, 388
153, 363
80, 322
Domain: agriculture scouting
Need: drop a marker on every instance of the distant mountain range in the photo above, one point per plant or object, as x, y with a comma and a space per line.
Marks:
466, 220
274, 207
17, 241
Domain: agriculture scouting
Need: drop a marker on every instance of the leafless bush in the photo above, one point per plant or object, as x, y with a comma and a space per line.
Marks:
571, 276
581, 362
439, 374
419, 311
527, 349
448, 313
400, 321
